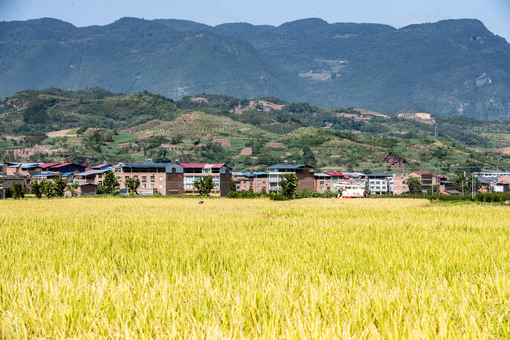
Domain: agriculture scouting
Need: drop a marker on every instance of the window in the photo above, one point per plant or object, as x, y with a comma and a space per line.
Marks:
161, 186
153, 178
126, 178
160, 178
135, 177
144, 178
321, 182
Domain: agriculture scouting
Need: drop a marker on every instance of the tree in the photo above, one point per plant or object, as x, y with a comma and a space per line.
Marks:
110, 183
36, 189
72, 188
17, 190
131, 185
308, 156
60, 186
465, 184
288, 183
232, 185
204, 184
414, 185
48, 189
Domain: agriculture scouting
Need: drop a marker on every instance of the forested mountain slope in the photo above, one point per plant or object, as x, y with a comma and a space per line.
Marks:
451, 68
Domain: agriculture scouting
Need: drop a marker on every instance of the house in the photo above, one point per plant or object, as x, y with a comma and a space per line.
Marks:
447, 188
86, 189
331, 181
221, 174
155, 178
379, 184
67, 168
46, 167
339, 181
91, 177
427, 180
323, 182
487, 183
9, 180
303, 172
104, 166
27, 169
504, 178
176, 178
246, 180
398, 184
2, 172
501, 187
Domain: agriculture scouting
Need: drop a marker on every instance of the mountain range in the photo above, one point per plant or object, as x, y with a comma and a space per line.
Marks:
450, 68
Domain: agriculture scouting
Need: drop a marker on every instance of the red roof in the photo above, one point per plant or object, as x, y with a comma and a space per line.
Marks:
61, 165
100, 166
200, 165
337, 174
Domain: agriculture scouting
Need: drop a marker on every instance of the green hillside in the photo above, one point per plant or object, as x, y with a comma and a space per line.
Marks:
449, 68
94, 125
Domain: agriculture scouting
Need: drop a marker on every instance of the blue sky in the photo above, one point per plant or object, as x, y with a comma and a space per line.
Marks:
494, 14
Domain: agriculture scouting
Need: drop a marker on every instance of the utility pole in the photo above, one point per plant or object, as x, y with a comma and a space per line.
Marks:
473, 186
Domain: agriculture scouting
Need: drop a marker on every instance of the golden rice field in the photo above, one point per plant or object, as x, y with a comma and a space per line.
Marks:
311, 268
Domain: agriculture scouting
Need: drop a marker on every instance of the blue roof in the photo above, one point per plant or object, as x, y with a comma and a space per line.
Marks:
287, 166
253, 174
24, 165
146, 165
92, 172
83, 184
379, 175
48, 175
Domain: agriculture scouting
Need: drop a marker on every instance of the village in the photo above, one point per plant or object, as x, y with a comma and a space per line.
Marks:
178, 178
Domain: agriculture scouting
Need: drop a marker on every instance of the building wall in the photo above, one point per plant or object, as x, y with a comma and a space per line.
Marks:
174, 184
306, 180
260, 184
399, 184
221, 187
504, 179
70, 168
150, 182
378, 186
323, 184
87, 190
225, 183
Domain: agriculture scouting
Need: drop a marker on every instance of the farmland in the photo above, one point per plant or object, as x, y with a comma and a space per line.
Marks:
310, 268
